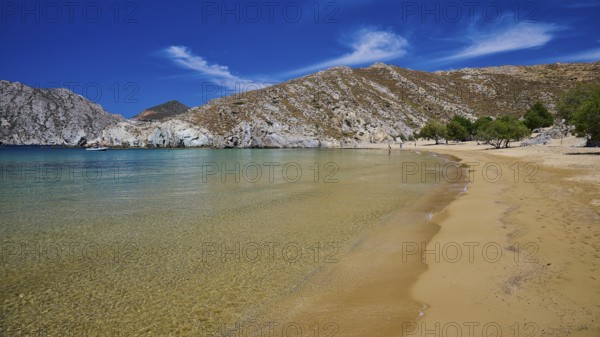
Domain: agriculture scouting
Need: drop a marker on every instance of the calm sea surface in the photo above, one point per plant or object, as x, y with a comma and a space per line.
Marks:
176, 242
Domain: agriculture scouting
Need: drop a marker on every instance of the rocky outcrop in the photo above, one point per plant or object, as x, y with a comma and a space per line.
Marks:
545, 135
172, 133
260, 133
177, 133
30, 116
541, 139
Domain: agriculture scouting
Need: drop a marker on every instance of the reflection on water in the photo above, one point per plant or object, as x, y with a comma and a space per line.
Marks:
172, 242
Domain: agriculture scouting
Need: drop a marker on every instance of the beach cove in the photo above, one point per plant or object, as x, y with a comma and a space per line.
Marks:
514, 253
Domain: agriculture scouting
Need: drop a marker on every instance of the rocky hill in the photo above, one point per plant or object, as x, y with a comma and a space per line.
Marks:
162, 111
336, 107
345, 106
30, 116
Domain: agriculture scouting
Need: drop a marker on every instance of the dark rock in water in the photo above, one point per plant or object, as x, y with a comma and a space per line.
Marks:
30, 116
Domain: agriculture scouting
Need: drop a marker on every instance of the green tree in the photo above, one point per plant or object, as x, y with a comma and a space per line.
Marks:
538, 116
456, 131
503, 130
586, 119
433, 130
479, 124
466, 123
573, 98
482, 121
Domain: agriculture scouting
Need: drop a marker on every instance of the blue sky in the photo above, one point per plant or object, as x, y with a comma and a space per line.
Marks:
129, 55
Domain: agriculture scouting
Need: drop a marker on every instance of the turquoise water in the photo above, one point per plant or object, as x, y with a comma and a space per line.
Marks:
162, 242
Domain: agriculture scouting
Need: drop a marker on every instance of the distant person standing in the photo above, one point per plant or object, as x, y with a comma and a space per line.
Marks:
389, 148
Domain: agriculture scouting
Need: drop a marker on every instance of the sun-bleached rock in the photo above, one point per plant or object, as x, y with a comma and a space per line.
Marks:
172, 133
30, 116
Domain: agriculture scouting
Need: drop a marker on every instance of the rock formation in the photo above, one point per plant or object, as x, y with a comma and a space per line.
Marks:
30, 116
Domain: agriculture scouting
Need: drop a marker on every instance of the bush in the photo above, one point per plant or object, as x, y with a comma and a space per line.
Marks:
538, 117
433, 130
503, 130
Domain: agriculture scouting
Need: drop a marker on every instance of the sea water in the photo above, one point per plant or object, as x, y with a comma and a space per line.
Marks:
177, 242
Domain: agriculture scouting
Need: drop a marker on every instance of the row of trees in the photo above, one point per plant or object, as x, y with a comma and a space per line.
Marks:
498, 132
580, 107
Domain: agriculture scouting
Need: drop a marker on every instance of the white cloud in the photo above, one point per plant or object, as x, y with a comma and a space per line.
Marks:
519, 36
368, 46
591, 55
184, 58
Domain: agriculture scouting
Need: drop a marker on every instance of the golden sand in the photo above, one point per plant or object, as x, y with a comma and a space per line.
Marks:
546, 282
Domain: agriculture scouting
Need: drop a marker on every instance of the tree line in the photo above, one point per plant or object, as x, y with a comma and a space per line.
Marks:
578, 110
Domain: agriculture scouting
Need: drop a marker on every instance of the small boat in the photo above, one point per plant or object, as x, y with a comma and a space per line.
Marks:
97, 148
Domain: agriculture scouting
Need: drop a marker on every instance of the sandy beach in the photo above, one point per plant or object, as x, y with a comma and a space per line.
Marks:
517, 254
545, 283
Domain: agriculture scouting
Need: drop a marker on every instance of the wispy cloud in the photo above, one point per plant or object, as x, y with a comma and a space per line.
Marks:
505, 39
591, 55
183, 57
368, 46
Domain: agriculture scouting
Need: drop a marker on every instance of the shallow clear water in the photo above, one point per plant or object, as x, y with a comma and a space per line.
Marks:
161, 242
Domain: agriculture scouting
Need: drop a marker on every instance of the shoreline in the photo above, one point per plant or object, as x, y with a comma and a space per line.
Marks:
368, 292
544, 281
544, 222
